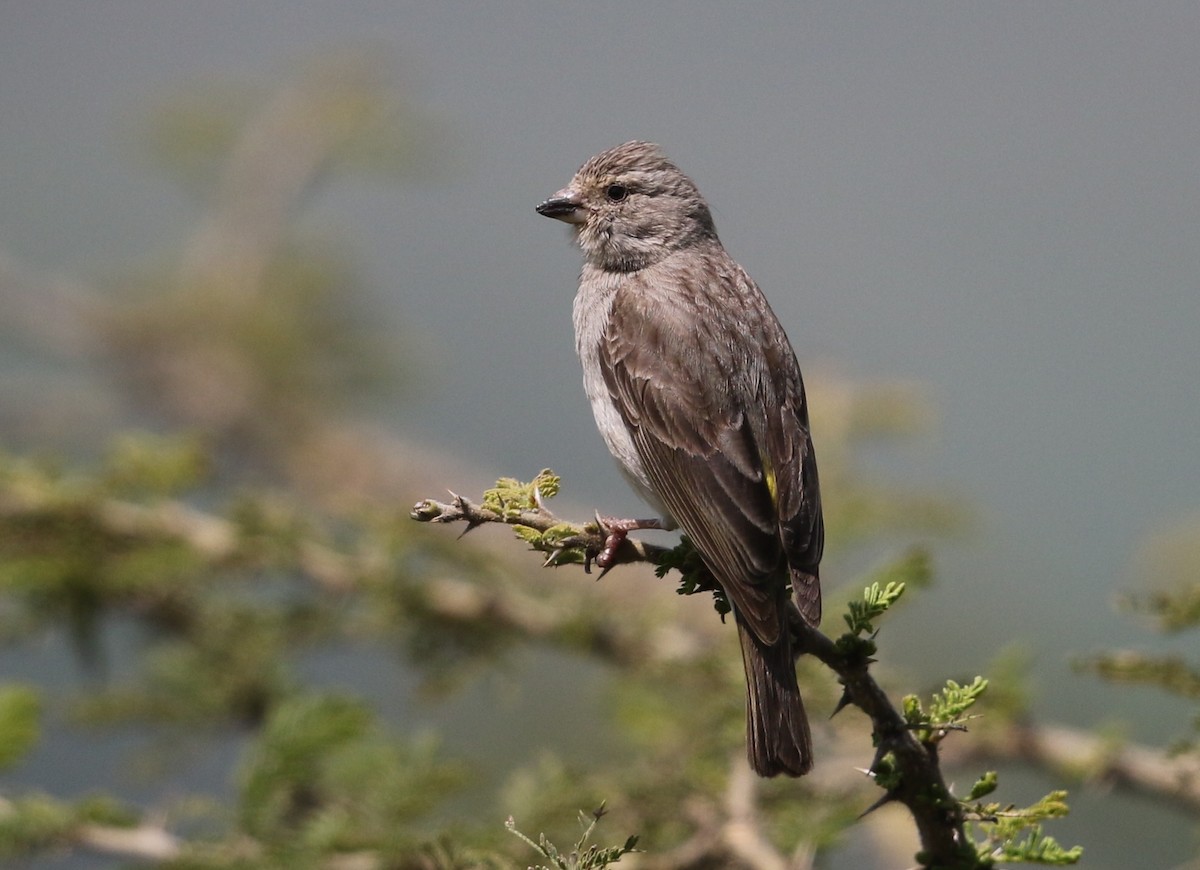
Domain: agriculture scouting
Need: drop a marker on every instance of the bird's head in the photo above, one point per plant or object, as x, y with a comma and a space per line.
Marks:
630, 207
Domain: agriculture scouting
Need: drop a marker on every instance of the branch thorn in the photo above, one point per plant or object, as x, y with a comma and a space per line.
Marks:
843, 702
886, 798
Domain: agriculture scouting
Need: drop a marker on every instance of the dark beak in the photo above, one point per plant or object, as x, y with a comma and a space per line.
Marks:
564, 206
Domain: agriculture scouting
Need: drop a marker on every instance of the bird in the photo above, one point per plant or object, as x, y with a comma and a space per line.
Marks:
697, 393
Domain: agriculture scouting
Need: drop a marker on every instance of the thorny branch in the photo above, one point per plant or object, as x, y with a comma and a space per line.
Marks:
587, 536
913, 778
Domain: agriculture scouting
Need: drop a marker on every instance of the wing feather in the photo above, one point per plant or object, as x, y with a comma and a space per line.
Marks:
720, 425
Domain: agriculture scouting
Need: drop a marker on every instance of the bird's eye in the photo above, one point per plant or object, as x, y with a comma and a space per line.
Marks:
616, 192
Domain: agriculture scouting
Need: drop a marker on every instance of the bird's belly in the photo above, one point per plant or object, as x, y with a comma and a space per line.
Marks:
593, 306
620, 444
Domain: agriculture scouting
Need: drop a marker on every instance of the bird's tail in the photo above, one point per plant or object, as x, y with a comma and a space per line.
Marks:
777, 736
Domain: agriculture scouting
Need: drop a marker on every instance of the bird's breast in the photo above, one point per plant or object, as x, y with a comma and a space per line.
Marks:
593, 308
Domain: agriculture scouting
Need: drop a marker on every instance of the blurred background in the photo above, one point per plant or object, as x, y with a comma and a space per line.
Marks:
985, 213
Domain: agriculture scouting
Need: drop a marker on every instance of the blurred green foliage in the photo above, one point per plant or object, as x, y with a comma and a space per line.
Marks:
1170, 565
323, 778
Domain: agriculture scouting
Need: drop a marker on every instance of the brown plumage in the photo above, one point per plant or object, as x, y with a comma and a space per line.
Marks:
697, 393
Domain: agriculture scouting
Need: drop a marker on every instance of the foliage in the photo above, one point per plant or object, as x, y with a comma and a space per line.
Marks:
875, 603
583, 855
1006, 833
324, 778
888, 584
946, 711
509, 499
693, 577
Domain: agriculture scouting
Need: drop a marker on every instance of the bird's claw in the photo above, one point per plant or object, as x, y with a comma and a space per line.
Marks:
615, 531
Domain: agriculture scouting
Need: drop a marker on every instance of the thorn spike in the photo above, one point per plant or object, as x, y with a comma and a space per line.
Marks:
843, 702
883, 801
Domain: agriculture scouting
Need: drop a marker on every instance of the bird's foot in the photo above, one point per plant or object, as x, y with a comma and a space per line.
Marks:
615, 531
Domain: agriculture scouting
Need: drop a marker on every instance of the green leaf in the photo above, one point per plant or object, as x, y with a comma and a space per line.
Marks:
946, 712
984, 786
510, 497
1015, 834
694, 576
949, 705
876, 601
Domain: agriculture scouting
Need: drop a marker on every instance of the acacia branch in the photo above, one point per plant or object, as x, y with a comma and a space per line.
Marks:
915, 778
919, 784
587, 536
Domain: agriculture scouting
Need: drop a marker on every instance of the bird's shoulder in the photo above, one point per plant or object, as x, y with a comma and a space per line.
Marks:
698, 317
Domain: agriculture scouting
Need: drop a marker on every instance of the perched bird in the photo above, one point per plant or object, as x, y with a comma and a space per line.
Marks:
697, 394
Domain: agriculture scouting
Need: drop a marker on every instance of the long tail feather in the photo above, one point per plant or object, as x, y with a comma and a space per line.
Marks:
777, 735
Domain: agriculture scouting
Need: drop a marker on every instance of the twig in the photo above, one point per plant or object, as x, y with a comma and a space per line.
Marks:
587, 535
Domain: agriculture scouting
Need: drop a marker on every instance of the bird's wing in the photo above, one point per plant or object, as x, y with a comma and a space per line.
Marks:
691, 382
797, 492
